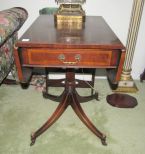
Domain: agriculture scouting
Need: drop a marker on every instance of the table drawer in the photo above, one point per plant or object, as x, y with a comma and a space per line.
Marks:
67, 57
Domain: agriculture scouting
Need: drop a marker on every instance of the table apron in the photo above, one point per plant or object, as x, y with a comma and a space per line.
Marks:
85, 58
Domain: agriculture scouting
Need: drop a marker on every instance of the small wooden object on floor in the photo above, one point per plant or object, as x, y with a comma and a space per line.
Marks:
121, 100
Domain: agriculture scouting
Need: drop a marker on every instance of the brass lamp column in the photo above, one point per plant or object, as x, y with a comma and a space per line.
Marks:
126, 83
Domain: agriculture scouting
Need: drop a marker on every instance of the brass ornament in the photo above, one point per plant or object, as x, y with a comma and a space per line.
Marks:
70, 14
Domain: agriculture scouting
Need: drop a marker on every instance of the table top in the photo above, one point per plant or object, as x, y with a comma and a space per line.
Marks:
95, 34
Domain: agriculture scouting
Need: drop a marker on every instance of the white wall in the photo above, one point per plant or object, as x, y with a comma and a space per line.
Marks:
116, 13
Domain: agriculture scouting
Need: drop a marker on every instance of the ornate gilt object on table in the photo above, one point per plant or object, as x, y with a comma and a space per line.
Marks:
70, 14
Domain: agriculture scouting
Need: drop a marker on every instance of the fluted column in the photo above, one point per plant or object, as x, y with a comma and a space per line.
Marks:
126, 83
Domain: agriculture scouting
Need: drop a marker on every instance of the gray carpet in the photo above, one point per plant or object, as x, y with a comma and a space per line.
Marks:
24, 111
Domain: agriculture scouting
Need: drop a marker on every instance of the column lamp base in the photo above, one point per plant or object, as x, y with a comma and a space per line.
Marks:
126, 87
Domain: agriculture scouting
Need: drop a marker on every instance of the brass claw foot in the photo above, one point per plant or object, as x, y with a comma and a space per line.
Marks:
33, 139
104, 141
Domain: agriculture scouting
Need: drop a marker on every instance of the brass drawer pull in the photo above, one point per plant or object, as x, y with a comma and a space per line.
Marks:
61, 57
70, 62
77, 58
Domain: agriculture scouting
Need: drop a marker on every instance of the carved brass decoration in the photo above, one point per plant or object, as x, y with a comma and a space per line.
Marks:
70, 14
